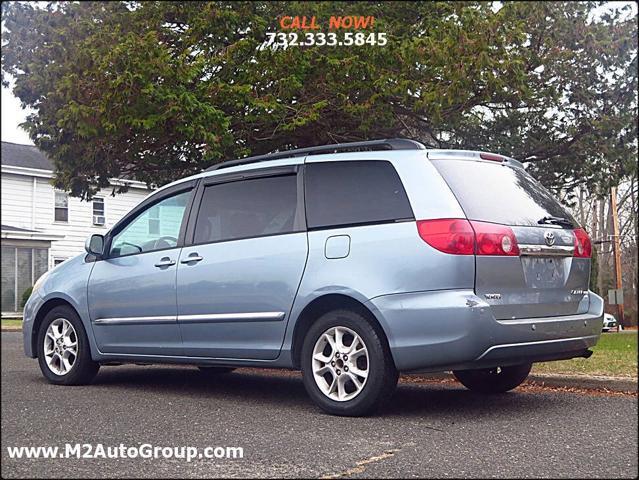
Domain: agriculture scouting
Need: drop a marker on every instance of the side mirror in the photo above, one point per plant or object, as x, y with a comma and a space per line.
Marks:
95, 245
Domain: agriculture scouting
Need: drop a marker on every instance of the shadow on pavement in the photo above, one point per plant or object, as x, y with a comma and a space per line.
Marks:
285, 389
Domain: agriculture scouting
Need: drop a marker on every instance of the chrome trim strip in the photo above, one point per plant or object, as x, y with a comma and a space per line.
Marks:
539, 342
134, 320
233, 317
543, 250
578, 317
203, 318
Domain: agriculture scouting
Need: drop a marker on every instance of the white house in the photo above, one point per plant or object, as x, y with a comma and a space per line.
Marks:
42, 226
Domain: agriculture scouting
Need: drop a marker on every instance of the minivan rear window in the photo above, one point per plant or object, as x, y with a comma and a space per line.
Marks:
354, 193
493, 192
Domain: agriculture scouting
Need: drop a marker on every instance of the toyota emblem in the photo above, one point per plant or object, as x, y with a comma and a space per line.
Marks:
549, 237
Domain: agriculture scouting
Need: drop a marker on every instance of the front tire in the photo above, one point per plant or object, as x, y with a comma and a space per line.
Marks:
63, 349
493, 380
346, 365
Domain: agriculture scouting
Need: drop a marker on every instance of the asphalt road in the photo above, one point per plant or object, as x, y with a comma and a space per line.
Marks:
428, 431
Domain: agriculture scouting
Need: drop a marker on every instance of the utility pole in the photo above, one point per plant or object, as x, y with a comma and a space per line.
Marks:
617, 250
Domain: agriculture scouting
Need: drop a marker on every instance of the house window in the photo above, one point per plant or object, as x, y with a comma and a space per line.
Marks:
21, 267
61, 207
98, 211
57, 261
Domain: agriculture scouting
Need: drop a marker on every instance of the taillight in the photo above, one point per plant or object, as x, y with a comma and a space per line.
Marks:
583, 247
461, 237
494, 239
448, 235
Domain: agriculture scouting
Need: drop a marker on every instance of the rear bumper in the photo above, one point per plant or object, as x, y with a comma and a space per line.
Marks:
455, 330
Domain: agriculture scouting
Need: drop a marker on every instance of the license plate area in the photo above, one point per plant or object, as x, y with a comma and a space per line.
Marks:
545, 272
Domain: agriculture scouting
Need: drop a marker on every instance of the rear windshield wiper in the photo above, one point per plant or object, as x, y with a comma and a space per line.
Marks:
564, 222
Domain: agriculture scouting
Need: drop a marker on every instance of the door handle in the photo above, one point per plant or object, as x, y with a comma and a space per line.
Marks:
194, 257
165, 262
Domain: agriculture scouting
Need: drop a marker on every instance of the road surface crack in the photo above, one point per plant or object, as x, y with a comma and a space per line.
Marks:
361, 465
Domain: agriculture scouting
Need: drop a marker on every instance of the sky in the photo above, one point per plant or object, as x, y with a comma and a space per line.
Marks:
13, 114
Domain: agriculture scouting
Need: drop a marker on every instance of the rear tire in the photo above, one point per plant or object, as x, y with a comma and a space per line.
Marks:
357, 375
493, 380
67, 359
215, 370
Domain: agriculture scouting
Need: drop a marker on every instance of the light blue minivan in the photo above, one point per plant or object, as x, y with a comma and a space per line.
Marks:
351, 262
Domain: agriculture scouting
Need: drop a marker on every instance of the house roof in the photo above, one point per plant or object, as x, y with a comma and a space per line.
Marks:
27, 156
9, 228
14, 233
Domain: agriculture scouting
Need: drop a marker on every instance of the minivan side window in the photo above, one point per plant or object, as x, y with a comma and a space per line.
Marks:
155, 228
247, 208
354, 192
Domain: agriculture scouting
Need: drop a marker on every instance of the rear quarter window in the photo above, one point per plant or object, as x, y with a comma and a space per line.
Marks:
354, 193
493, 192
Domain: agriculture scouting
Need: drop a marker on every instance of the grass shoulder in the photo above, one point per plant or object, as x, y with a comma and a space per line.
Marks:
614, 355
11, 323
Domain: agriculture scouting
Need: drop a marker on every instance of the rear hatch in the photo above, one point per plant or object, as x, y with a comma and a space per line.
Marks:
545, 269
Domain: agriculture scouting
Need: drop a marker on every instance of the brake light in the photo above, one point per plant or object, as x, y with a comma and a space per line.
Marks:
461, 237
448, 235
491, 156
583, 247
494, 239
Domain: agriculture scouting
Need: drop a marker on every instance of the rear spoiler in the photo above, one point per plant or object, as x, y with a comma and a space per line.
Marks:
472, 155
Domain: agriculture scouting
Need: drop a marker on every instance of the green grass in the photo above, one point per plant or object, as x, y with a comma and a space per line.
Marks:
11, 322
614, 355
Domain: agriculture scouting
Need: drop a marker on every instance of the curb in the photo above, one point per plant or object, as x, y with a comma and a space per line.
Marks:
613, 384
11, 329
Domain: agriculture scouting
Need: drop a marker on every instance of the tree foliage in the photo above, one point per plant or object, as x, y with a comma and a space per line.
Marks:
158, 90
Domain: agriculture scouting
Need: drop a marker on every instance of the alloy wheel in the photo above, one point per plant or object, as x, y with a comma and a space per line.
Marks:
340, 364
60, 346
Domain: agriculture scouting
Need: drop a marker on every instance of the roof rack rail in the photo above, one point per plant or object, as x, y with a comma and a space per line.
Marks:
385, 144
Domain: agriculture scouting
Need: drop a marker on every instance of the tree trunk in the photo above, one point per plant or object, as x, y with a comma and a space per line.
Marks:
634, 246
582, 212
634, 191
603, 257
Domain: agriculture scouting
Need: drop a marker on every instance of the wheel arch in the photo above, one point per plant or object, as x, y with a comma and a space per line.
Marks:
324, 304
